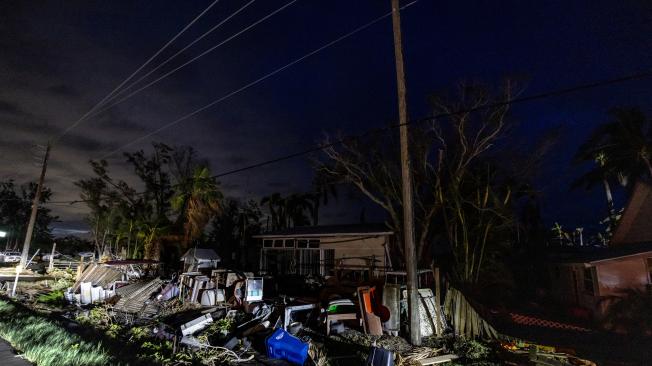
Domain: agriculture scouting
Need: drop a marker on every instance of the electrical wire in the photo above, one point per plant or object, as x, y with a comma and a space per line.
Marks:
249, 85
195, 58
554, 93
530, 98
178, 53
98, 104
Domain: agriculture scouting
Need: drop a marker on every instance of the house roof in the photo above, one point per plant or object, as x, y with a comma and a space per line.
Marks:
329, 230
635, 225
593, 255
199, 253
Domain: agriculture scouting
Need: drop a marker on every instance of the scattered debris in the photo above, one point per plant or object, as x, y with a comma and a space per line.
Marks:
134, 299
283, 345
380, 357
197, 259
196, 325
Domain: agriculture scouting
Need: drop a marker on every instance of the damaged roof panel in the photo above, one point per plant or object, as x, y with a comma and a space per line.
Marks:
98, 275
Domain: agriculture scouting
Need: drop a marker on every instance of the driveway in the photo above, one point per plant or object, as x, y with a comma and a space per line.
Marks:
8, 356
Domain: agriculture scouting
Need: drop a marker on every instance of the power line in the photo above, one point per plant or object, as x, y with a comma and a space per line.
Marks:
549, 94
249, 85
534, 97
98, 104
195, 58
178, 53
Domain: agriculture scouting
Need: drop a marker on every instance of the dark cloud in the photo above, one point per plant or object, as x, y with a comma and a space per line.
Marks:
231, 186
59, 58
115, 122
11, 109
63, 90
237, 159
278, 184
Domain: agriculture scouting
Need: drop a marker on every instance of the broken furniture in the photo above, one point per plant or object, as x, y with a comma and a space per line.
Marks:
196, 325
338, 311
367, 301
332, 318
193, 285
283, 345
290, 310
212, 297
392, 301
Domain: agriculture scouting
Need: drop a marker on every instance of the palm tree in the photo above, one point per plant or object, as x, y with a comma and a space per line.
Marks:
623, 145
323, 188
198, 203
600, 174
621, 149
296, 206
276, 208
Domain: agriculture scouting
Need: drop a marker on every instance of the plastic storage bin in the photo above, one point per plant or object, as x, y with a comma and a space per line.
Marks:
283, 345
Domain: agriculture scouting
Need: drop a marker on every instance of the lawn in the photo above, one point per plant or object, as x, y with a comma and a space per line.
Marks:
45, 342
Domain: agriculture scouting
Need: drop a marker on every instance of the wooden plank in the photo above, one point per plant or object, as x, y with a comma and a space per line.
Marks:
438, 359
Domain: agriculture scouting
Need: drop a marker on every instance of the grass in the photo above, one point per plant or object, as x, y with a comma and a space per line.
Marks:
52, 298
45, 342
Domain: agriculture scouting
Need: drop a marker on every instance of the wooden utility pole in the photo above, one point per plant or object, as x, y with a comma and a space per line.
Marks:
32, 218
406, 178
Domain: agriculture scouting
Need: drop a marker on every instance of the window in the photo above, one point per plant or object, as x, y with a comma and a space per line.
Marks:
309, 262
278, 243
328, 262
267, 243
289, 243
588, 280
279, 261
302, 244
313, 244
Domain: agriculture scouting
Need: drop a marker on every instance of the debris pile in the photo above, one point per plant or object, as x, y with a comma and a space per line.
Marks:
222, 316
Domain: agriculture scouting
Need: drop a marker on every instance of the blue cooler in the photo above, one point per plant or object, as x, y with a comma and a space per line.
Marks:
283, 345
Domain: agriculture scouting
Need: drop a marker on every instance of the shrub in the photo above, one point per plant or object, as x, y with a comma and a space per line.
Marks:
98, 317
52, 298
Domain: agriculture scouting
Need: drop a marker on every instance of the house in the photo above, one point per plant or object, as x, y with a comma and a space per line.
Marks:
360, 250
196, 259
588, 277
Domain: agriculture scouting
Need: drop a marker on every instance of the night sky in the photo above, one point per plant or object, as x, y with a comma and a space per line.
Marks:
58, 58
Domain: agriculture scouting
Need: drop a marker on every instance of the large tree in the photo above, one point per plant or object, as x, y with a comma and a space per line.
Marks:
198, 202
232, 230
446, 155
620, 151
620, 147
124, 220
15, 209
